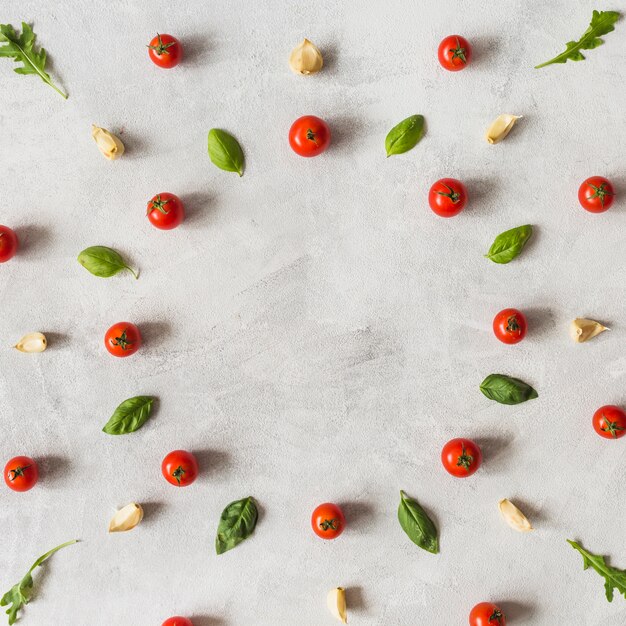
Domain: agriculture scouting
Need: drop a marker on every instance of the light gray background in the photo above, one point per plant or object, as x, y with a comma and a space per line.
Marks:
312, 331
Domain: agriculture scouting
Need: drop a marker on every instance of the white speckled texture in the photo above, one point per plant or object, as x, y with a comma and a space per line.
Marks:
312, 331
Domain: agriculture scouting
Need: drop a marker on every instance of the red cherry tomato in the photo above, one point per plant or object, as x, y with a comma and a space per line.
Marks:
454, 53
8, 244
180, 468
177, 621
166, 211
328, 521
122, 339
309, 136
509, 326
461, 457
596, 194
21, 473
610, 422
165, 51
447, 197
487, 614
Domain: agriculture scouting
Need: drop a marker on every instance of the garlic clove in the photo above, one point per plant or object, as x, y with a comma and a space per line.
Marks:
336, 601
514, 517
110, 145
582, 329
501, 127
33, 342
306, 58
126, 518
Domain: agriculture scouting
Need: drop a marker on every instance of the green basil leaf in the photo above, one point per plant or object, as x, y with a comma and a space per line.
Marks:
129, 416
405, 135
103, 262
417, 525
225, 151
614, 579
236, 524
509, 244
507, 390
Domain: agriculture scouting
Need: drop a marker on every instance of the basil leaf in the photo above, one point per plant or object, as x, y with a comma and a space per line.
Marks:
507, 245
507, 390
613, 578
225, 151
236, 524
103, 262
417, 525
405, 135
601, 24
129, 416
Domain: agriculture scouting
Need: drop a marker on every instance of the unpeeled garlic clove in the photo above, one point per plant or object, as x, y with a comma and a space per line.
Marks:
110, 145
306, 58
336, 601
33, 342
501, 127
126, 518
582, 329
514, 517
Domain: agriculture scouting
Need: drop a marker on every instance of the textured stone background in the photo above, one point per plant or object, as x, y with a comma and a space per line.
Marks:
313, 331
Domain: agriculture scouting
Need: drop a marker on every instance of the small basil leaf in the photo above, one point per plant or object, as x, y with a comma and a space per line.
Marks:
129, 416
507, 390
509, 244
236, 524
417, 525
225, 151
405, 135
103, 262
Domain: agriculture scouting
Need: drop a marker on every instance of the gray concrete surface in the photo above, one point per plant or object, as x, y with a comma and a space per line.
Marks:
312, 331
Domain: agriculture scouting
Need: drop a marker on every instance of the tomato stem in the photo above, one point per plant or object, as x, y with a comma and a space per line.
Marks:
178, 473
599, 192
159, 205
122, 341
329, 524
455, 196
512, 325
161, 48
458, 52
496, 615
17, 472
611, 427
310, 135
465, 460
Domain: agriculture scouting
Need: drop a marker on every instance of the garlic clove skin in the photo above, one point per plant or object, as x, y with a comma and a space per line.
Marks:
582, 329
306, 58
514, 517
31, 343
110, 145
126, 518
336, 601
501, 127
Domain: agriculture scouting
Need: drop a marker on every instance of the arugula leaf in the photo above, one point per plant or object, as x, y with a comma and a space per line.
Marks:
22, 49
20, 594
601, 24
614, 578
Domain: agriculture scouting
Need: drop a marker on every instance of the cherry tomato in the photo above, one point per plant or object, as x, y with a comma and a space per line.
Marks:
454, 53
596, 194
447, 197
166, 211
509, 326
461, 457
21, 473
8, 244
309, 136
610, 422
328, 521
180, 468
177, 621
487, 614
122, 339
165, 51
